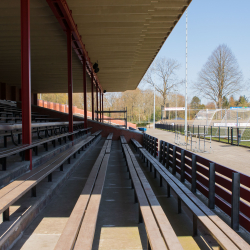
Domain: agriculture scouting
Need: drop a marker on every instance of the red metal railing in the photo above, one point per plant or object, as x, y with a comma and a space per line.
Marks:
223, 181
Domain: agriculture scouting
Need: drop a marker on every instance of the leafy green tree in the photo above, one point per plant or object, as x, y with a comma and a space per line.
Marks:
225, 103
195, 103
242, 102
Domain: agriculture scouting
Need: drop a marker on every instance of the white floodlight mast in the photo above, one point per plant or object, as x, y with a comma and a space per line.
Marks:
154, 106
186, 76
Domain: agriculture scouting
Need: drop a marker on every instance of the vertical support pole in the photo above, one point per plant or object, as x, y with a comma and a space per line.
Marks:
232, 136
100, 104
26, 77
174, 161
235, 210
193, 189
167, 163
102, 108
70, 82
155, 147
160, 151
84, 92
211, 194
164, 154
96, 89
92, 96
182, 165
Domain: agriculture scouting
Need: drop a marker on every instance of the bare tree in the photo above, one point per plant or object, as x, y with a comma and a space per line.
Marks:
162, 74
220, 76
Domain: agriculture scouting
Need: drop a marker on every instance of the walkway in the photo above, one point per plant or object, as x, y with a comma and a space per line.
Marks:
225, 154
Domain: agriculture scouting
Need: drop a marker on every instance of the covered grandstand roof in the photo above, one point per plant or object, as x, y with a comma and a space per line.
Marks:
124, 36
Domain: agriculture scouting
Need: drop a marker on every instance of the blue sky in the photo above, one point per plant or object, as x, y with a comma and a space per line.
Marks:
211, 23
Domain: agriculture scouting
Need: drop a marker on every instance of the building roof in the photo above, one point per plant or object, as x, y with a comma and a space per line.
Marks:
124, 36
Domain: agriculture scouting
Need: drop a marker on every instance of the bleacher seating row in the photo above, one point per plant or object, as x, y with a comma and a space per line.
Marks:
15, 190
80, 228
225, 236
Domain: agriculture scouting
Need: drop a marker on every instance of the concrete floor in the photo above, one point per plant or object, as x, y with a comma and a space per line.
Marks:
234, 157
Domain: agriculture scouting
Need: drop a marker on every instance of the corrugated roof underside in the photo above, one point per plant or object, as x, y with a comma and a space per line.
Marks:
124, 36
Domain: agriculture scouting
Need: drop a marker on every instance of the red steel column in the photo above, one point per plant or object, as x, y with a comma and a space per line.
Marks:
25, 77
70, 82
102, 108
100, 104
96, 89
85, 93
92, 95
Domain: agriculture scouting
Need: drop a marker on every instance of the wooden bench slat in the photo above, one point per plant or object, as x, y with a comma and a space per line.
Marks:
17, 190
70, 232
241, 243
214, 230
154, 235
167, 231
86, 234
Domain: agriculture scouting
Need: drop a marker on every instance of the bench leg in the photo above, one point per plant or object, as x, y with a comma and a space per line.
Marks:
33, 191
50, 177
36, 151
54, 143
140, 216
61, 167
179, 205
148, 245
5, 142
154, 173
74, 155
3, 160
135, 196
168, 190
6, 214
150, 167
69, 160
194, 225
160, 181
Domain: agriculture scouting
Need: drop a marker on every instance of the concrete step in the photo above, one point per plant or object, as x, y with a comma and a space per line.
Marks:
26, 209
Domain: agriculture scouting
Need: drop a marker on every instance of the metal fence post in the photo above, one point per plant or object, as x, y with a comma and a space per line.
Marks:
193, 189
182, 165
174, 161
198, 130
167, 163
160, 152
228, 135
219, 133
155, 147
232, 136
235, 206
164, 154
238, 132
211, 195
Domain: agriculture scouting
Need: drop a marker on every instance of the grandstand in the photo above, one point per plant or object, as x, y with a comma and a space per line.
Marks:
71, 181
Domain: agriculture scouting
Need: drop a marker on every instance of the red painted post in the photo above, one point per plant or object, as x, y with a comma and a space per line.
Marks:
102, 108
100, 102
96, 90
70, 83
84, 93
25, 77
92, 96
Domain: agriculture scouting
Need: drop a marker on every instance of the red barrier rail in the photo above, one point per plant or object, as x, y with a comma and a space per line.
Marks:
223, 178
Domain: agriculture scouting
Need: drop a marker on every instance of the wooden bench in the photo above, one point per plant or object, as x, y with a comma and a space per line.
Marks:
136, 144
226, 237
123, 140
97, 133
146, 213
34, 145
110, 136
84, 215
15, 190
